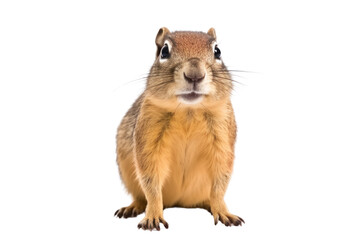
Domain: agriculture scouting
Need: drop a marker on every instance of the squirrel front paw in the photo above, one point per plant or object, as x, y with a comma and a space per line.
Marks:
150, 223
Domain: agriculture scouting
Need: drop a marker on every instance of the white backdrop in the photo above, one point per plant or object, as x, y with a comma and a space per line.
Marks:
67, 71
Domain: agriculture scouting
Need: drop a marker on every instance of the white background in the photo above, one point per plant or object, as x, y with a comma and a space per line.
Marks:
67, 71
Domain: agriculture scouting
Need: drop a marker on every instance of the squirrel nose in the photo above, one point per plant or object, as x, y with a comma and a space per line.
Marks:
193, 77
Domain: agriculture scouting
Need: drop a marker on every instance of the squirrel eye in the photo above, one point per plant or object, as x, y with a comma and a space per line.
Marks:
165, 52
217, 52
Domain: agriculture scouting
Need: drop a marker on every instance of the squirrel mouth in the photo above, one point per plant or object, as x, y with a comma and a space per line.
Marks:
190, 97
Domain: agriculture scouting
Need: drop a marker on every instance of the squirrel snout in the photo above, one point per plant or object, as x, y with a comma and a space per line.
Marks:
194, 71
194, 77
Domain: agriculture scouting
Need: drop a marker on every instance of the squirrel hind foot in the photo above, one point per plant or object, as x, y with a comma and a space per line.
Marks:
134, 209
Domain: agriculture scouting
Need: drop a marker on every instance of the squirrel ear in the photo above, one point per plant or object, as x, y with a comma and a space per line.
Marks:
160, 36
212, 33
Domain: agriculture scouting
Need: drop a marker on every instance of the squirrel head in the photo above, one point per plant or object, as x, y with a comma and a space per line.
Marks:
188, 69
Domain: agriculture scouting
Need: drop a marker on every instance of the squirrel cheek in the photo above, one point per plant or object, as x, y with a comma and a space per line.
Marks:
211, 89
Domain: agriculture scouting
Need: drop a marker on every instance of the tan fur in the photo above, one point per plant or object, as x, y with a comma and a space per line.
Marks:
174, 154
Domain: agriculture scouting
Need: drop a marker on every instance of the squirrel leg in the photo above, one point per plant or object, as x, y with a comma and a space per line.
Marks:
217, 204
152, 167
154, 210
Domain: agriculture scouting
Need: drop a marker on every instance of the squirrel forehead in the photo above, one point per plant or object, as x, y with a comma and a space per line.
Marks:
191, 42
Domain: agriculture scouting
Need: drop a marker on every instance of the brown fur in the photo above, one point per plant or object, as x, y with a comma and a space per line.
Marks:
172, 154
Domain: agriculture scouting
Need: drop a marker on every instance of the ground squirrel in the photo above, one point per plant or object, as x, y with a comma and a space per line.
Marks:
175, 146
